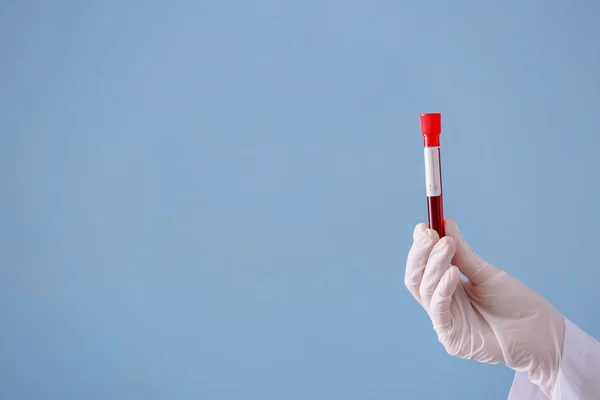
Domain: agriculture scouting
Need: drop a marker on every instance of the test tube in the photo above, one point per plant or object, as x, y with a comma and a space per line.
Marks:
431, 127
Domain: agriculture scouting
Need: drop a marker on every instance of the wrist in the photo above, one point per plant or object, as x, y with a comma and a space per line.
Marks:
546, 366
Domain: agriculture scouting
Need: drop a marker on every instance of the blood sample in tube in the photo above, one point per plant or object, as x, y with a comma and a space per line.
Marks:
431, 128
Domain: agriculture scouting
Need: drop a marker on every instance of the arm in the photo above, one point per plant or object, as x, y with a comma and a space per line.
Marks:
579, 373
492, 317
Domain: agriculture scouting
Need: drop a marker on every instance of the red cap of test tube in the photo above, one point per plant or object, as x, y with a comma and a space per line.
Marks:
431, 127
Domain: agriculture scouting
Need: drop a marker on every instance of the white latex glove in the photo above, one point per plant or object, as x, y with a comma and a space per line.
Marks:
491, 317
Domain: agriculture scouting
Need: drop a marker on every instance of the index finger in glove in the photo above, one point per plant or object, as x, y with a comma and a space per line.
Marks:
423, 241
437, 264
439, 309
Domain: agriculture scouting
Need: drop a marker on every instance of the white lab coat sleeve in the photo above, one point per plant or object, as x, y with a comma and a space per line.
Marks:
579, 374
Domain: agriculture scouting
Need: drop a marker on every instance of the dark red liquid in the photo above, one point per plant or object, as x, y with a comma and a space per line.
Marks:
435, 204
435, 208
435, 212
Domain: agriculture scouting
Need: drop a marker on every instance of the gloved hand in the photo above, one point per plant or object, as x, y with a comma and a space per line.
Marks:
490, 317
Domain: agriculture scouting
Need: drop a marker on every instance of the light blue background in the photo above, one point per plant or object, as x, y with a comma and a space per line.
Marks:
214, 200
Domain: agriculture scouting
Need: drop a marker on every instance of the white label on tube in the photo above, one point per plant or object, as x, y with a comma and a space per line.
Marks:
433, 180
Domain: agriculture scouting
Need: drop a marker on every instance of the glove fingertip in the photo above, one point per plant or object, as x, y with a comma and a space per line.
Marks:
441, 301
450, 281
452, 228
420, 228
